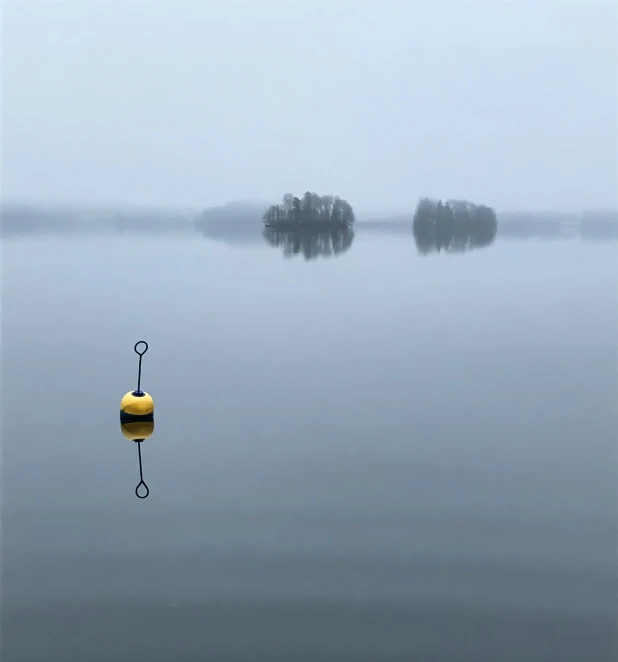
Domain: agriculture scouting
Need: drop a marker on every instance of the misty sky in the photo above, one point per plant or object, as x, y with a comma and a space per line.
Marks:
194, 104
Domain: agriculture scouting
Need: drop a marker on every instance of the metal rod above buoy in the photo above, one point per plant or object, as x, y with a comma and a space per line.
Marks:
137, 405
139, 368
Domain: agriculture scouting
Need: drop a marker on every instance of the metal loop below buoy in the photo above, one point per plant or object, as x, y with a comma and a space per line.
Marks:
137, 494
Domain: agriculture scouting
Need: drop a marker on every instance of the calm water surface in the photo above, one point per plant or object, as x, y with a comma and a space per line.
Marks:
381, 456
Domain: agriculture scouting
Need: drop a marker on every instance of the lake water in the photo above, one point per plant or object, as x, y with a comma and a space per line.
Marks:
374, 457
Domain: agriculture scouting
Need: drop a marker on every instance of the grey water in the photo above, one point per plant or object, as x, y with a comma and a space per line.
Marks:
379, 455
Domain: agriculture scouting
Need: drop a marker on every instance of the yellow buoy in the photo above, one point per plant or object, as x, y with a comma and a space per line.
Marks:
137, 405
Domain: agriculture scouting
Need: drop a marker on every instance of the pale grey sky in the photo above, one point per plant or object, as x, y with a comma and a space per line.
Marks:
512, 104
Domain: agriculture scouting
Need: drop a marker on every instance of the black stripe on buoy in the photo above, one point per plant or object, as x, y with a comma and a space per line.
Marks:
134, 418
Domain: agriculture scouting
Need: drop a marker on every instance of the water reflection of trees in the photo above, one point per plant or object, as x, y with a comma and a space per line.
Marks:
454, 227
310, 243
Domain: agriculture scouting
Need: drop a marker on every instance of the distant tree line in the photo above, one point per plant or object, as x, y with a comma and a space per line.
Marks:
600, 225
312, 210
455, 226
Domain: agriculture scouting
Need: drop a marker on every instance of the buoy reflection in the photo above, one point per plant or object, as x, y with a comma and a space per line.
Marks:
138, 432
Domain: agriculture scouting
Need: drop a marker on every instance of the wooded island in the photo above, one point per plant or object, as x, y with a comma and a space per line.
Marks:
312, 211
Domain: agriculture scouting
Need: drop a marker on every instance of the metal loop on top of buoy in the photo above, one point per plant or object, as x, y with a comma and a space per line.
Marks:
140, 342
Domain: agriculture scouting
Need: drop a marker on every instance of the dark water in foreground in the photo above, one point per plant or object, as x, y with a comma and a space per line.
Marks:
378, 457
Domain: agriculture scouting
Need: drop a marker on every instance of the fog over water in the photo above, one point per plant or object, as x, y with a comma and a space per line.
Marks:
197, 103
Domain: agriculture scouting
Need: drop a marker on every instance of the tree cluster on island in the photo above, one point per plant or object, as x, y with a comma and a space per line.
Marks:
453, 226
312, 211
